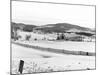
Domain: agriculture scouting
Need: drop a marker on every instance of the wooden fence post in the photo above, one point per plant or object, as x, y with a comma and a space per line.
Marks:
21, 66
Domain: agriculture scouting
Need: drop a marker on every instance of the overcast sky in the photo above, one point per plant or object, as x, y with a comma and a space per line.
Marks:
44, 13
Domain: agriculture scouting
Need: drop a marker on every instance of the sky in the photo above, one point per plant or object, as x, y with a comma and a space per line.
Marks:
46, 13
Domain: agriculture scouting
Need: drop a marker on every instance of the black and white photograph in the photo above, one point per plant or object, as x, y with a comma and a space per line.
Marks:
52, 37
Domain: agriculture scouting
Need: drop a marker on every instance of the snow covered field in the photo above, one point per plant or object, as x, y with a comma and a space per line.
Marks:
41, 61
66, 45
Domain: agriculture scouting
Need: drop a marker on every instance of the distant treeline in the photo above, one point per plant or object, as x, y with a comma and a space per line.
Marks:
21, 26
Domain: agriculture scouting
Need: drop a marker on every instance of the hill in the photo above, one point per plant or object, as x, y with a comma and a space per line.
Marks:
49, 28
61, 27
21, 26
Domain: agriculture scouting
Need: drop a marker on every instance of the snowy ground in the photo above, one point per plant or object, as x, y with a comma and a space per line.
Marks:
66, 45
41, 61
